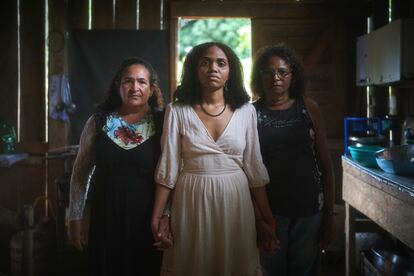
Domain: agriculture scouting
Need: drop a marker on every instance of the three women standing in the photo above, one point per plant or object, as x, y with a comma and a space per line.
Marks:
211, 160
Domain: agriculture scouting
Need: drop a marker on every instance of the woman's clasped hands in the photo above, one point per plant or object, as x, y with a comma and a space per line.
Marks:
161, 231
267, 240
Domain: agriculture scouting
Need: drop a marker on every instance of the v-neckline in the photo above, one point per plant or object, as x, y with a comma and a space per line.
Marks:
206, 129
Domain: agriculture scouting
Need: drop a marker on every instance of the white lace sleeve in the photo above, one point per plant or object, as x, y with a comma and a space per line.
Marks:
82, 169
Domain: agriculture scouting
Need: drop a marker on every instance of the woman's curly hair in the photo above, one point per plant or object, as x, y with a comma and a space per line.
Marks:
189, 91
281, 50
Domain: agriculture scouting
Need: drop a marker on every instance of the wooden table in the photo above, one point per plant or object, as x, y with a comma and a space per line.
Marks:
386, 199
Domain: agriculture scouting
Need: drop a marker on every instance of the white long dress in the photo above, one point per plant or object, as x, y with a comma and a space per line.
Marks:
212, 214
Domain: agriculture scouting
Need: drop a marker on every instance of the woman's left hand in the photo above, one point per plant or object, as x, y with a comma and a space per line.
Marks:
162, 233
326, 230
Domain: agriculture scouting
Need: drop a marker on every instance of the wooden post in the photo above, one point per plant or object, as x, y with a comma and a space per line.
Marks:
78, 14
126, 14
150, 14
349, 240
102, 14
8, 62
173, 55
32, 63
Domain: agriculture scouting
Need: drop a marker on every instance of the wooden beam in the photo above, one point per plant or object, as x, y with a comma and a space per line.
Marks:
349, 240
103, 14
57, 42
126, 14
173, 56
32, 62
249, 9
78, 14
8, 62
322, 42
150, 14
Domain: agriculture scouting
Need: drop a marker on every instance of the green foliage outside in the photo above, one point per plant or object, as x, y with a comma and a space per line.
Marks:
234, 32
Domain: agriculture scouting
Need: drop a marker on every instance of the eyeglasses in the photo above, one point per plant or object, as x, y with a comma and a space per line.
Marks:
271, 73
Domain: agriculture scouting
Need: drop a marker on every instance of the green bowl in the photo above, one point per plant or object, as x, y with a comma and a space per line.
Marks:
365, 155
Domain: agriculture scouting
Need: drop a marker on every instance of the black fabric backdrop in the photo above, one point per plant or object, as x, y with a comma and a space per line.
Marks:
94, 57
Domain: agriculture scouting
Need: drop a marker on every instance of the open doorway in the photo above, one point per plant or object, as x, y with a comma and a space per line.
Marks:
234, 32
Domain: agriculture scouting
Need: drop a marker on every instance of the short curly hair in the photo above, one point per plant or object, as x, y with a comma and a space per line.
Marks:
189, 91
281, 50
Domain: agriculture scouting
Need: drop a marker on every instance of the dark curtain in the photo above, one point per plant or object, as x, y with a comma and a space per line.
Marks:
94, 57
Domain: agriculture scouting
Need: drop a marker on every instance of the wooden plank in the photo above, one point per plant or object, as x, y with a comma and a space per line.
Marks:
349, 240
389, 212
249, 9
32, 63
173, 56
8, 62
103, 14
339, 57
363, 225
150, 14
304, 35
21, 184
58, 130
364, 175
294, 27
78, 14
323, 41
126, 14
57, 42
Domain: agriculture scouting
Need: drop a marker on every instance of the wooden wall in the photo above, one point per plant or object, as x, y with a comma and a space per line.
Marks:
317, 29
23, 75
321, 34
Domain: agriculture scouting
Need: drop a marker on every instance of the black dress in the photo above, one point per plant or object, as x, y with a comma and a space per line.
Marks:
122, 196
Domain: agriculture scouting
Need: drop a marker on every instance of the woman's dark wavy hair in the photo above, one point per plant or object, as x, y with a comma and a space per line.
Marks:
281, 50
189, 91
113, 99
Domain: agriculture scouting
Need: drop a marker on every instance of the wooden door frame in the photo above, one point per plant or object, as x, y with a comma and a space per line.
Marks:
251, 10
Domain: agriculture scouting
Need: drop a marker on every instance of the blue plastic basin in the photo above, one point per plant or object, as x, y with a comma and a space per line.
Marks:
397, 160
365, 155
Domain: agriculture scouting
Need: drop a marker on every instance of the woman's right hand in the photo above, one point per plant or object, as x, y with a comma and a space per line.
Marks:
76, 234
267, 240
161, 231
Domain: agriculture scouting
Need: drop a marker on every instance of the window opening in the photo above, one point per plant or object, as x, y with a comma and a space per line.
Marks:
234, 32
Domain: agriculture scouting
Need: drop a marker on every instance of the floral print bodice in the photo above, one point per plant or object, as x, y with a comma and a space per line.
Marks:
127, 135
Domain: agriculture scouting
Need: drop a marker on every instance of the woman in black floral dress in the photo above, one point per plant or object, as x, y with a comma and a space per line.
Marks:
119, 147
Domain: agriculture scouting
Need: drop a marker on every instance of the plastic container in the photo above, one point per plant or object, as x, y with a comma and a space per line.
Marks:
360, 127
365, 155
397, 160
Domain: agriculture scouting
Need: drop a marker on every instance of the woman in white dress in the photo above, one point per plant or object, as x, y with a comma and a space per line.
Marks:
211, 161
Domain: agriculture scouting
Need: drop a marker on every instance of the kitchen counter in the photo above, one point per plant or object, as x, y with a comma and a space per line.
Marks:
7, 160
386, 199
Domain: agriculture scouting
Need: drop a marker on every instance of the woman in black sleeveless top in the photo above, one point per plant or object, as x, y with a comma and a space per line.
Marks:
294, 149
122, 142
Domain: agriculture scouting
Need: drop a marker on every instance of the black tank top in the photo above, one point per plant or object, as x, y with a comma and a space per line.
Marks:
287, 143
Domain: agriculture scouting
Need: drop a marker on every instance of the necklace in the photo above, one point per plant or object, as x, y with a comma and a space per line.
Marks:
213, 115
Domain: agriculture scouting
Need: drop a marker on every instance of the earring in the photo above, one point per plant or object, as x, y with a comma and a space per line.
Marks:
226, 88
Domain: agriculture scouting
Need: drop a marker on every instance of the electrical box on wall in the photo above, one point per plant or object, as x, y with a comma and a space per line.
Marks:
386, 55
